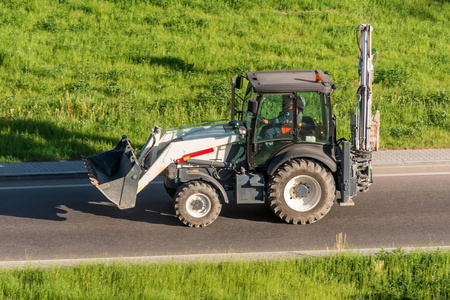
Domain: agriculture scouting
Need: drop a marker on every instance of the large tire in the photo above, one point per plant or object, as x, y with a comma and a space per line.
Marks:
301, 191
197, 204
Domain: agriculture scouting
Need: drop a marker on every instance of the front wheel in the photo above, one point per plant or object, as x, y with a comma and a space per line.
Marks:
301, 191
197, 204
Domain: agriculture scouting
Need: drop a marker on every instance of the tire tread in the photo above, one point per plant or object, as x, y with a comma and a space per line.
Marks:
275, 195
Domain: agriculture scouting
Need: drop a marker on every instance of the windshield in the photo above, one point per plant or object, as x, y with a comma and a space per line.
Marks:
288, 118
302, 116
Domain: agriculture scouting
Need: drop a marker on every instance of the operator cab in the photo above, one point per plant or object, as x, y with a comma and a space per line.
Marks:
285, 108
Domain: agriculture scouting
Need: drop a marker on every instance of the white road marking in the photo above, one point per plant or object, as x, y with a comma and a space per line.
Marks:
30, 187
56, 186
43, 186
411, 174
204, 257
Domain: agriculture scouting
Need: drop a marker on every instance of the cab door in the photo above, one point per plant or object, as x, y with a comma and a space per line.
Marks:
273, 126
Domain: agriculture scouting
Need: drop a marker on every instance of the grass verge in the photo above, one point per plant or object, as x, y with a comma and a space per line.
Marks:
385, 275
76, 75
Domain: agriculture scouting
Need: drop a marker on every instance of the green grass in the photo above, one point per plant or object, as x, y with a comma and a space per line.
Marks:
396, 275
76, 75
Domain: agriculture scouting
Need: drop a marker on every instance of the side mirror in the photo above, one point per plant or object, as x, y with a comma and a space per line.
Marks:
239, 82
253, 106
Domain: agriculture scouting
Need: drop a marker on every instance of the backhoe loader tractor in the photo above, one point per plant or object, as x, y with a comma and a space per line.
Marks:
279, 148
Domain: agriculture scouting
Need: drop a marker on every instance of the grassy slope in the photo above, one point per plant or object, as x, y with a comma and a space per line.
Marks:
395, 275
76, 75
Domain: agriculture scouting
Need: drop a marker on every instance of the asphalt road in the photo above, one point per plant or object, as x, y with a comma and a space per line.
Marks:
69, 218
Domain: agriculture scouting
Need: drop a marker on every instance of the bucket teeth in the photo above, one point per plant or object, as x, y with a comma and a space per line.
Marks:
91, 171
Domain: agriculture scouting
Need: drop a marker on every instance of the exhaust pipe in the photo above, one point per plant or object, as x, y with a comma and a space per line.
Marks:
116, 173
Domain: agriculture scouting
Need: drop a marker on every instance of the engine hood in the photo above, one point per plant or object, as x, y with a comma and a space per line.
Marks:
216, 131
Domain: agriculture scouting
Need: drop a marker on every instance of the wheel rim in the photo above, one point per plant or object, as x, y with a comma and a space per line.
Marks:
198, 205
302, 193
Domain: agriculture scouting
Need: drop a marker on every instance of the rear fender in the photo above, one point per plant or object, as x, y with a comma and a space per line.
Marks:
320, 153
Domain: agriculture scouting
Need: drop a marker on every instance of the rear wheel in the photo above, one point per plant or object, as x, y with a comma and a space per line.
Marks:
301, 191
197, 204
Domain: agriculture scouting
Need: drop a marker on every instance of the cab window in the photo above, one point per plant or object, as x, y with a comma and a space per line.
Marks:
312, 122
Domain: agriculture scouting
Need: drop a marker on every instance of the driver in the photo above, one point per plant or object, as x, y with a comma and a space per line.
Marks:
283, 122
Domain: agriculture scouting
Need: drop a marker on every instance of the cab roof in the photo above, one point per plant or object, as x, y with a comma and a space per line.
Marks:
288, 81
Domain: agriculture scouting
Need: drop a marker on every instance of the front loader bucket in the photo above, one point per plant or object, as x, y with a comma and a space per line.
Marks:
115, 173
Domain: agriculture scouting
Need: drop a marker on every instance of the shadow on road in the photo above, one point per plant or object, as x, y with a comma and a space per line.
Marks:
153, 206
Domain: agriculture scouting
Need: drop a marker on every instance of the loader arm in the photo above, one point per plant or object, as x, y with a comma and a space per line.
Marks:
120, 176
186, 146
